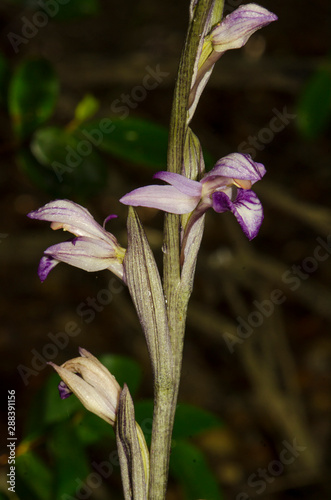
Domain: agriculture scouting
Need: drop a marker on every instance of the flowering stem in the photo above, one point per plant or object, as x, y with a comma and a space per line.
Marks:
178, 128
165, 394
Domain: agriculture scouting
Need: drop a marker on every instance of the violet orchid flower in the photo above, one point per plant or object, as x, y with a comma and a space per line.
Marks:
225, 187
92, 383
236, 28
93, 249
231, 33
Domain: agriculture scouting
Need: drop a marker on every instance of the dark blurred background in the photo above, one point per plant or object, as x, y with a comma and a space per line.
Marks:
274, 386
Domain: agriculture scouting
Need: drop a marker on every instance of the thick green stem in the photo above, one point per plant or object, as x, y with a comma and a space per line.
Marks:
166, 391
178, 127
161, 442
177, 306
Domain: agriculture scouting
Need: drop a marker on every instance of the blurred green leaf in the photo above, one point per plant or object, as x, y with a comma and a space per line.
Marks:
53, 144
92, 429
36, 477
4, 80
42, 177
72, 166
33, 92
314, 105
56, 409
48, 408
191, 420
86, 108
134, 140
144, 416
189, 466
70, 460
124, 369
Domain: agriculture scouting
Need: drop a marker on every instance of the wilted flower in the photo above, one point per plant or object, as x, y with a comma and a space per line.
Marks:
225, 187
94, 248
232, 33
95, 387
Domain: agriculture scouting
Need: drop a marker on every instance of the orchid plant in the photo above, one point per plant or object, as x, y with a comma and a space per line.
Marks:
161, 305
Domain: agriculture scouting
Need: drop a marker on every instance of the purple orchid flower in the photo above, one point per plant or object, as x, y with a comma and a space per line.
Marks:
232, 32
93, 249
236, 28
225, 187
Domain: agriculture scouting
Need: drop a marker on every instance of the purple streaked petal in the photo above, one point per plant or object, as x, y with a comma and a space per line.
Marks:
166, 198
221, 202
237, 166
236, 28
83, 252
46, 264
246, 208
183, 184
64, 390
73, 217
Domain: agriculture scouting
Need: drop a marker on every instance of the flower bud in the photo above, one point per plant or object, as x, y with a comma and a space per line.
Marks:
92, 383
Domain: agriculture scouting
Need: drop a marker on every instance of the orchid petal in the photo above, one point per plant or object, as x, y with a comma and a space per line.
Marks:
90, 371
246, 208
236, 28
237, 166
86, 354
64, 390
46, 264
72, 217
166, 198
83, 252
183, 184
